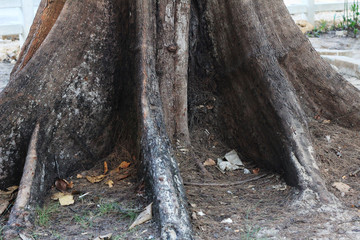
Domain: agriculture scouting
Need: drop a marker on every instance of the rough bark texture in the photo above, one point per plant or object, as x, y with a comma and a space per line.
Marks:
160, 166
21, 211
172, 37
115, 73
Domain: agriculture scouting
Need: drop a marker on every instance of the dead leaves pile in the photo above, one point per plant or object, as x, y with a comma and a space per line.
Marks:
62, 185
116, 174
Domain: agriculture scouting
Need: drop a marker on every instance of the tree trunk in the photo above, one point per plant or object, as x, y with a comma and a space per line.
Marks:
129, 73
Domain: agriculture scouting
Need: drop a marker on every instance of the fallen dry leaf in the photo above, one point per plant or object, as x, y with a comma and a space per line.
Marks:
66, 200
24, 237
326, 121
122, 176
61, 184
110, 183
209, 162
104, 237
58, 195
3, 205
105, 167
124, 164
79, 176
342, 187
70, 185
10, 190
144, 216
256, 170
95, 179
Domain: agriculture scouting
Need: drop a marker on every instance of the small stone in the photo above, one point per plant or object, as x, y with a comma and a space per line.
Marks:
246, 171
227, 220
201, 213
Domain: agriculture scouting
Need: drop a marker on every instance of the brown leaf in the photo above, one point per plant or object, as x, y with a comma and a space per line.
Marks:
105, 167
61, 184
209, 162
70, 185
122, 176
209, 107
124, 164
79, 176
256, 170
327, 121
10, 190
95, 179
110, 183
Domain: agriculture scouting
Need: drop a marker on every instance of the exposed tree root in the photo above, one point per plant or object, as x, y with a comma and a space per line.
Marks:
19, 216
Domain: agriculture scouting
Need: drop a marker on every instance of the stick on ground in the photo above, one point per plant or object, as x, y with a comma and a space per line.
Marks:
225, 184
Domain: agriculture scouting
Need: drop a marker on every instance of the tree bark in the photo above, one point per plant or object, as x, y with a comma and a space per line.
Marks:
104, 74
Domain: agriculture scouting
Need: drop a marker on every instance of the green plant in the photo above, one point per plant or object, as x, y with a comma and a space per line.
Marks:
84, 220
43, 215
351, 16
314, 33
251, 230
323, 26
113, 207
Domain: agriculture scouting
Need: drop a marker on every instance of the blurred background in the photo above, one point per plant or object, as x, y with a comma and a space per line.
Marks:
315, 18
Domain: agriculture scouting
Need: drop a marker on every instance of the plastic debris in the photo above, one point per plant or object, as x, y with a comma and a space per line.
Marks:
201, 213
230, 162
233, 158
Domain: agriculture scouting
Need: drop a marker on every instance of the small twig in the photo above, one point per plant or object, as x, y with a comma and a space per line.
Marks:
84, 195
225, 184
355, 172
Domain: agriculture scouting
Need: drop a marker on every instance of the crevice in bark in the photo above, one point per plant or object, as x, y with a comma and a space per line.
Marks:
172, 51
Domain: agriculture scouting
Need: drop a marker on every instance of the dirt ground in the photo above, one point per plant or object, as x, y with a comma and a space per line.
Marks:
260, 206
